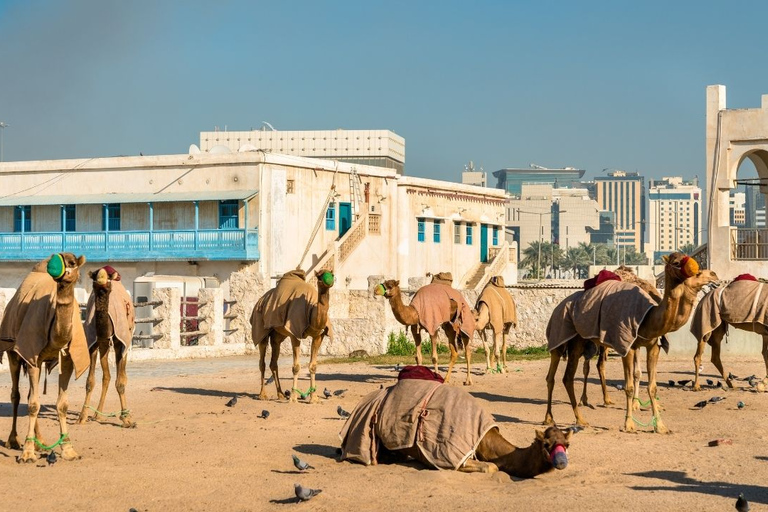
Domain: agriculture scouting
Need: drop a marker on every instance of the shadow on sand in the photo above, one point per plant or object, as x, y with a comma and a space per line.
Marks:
322, 450
491, 397
753, 493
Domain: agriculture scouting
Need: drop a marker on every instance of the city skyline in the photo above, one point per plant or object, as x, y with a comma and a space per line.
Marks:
605, 86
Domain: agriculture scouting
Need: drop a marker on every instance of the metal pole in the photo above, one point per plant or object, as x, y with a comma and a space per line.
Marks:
3, 126
538, 267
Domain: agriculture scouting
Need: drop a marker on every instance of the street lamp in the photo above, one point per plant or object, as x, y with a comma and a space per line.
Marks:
540, 214
3, 126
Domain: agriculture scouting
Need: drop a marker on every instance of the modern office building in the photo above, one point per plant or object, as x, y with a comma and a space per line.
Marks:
511, 180
623, 193
737, 208
754, 207
378, 148
674, 216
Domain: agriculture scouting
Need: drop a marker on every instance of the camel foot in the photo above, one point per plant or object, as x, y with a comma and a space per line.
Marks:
294, 398
478, 466
314, 399
629, 425
635, 405
696, 387
13, 442
263, 396
585, 402
28, 455
548, 420
489, 370
68, 453
607, 401
128, 422
660, 427
582, 423
468, 382
82, 419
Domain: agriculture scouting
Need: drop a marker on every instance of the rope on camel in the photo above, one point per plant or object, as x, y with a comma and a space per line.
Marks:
304, 395
51, 447
647, 403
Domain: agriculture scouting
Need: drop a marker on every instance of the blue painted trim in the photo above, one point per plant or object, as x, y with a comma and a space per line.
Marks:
206, 244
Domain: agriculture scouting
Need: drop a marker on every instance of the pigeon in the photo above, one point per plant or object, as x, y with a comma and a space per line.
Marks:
684, 382
753, 382
732, 376
397, 367
710, 382
716, 399
620, 387
287, 394
51, 458
341, 412
264, 414
742, 505
326, 393
701, 404
232, 402
339, 392
751, 377
719, 384
270, 380
304, 493
381, 386
575, 429
740, 405
300, 464
671, 383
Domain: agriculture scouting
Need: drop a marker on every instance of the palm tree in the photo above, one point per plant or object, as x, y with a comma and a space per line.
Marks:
687, 249
577, 259
531, 256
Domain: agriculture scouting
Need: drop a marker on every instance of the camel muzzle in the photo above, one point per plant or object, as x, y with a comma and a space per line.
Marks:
559, 457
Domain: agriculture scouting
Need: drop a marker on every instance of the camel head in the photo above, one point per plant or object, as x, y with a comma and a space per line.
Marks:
682, 268
387, 289
103, 277
554, 443
64, 267
325, 279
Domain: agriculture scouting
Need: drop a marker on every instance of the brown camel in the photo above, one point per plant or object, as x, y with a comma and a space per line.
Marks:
647, 320
460, 434
442, 307
42, 325
742, 304
628, 276
295, 310
109, 320
495, 309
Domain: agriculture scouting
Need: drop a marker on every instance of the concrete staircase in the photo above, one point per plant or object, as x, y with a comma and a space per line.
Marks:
477, 276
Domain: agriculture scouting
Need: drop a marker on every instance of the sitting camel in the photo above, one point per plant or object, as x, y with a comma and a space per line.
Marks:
622, 316
443, 427
743, 304
295, 310
41, 324
496, 309
433, 306
109, 320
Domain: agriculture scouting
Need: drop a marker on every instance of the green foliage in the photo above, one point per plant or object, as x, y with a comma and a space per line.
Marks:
541, 350
399, 345
426, 348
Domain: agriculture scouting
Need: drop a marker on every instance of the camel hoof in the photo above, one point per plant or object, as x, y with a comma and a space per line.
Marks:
128, 423
13, 443
69, 453
635, 405
314, 399
629, 426
263, 396
28, 455
491, 468
660, 428
549, 421
467, 382
696, 387
607, 402
294, 398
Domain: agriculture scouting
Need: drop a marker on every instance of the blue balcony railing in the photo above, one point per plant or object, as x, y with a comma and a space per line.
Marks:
210, 244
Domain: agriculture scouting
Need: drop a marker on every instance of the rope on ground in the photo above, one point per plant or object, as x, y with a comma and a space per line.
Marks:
122, 413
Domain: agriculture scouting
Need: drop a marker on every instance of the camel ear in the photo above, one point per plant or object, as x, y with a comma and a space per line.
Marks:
81, 261
567, 433
539, 435
397, 282
92, 274
665, 258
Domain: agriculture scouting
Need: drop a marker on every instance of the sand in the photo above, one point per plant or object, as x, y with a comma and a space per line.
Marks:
190, 452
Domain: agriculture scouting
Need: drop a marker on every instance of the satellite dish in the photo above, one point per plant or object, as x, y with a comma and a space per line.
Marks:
219, 150
247, 147
193, 149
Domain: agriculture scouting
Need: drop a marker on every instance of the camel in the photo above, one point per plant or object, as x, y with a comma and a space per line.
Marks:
496, 309
683, 280
390, 424
110, 320
743, 304
42, 325
450, 312
628, 276
295, 310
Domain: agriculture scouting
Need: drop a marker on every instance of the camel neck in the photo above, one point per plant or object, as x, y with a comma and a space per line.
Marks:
61, 333
403, 314
672, 312
524, 462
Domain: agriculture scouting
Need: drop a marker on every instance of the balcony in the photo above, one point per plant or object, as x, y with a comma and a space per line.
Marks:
211, 244
749, 244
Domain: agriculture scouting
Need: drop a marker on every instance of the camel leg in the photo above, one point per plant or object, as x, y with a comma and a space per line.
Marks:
416, 332
637, 372
65, 374
478, 466
628, 363
106, 377
15, 368
296, 368
263, 367
121, 361
601, 360
554, 361
765, 352
433, 339
28, 455
451, 334
584, 400
652, 354
697, 363
498, 338
90, 383
275, 340
468, 356
504, 336
574, 353
715, 341
484, 339
313, 398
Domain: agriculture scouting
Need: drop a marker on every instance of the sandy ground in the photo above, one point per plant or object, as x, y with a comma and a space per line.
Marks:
190, 452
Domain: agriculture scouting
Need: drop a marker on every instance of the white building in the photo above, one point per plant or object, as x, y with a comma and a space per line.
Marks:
737, 206
472, 176
674, 217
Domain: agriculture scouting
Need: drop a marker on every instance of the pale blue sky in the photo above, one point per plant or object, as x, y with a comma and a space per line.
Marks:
502, 83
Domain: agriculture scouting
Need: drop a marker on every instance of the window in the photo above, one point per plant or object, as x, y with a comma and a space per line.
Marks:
69, 220
421, 230
457, 233
113, 217
330, 217
469, 234
17, 215
228, 214
436, 234
495, 239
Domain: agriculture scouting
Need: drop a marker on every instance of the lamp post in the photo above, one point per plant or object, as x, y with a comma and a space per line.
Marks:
3, 126
540, 214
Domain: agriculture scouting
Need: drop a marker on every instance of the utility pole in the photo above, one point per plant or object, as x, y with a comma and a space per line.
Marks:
3, 126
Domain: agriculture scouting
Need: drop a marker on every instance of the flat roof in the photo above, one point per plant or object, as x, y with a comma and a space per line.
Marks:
204, 195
